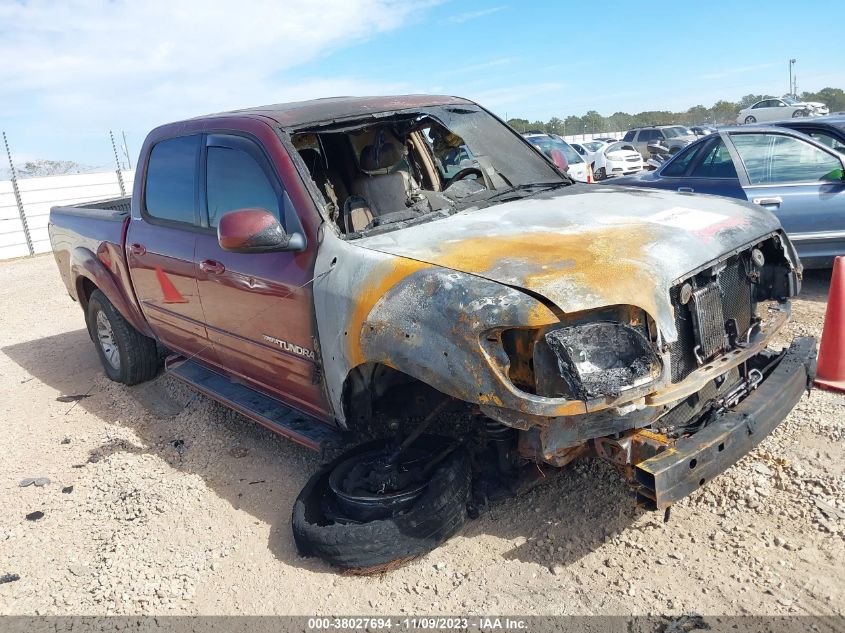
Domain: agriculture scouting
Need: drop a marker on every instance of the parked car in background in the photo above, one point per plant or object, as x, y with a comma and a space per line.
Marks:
773, 109
606, 162
588, 148
702, 130
562, 155
820, 108
797, 177
616, 159
606, 139
673, 136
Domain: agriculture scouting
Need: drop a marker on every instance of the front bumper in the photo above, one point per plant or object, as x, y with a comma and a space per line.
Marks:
693, 461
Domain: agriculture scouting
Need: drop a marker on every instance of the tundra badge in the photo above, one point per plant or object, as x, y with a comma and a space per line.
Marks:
290, 347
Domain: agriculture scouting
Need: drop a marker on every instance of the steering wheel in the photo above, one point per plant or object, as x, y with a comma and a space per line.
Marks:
466, 171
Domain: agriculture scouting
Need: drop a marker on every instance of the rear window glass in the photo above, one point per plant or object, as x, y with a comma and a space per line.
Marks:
171, 179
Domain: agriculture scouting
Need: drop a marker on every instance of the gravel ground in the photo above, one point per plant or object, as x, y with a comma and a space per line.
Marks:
162, 501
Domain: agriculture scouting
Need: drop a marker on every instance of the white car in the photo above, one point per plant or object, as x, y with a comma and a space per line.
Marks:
610, 159
561, 154
774, 110
820, 108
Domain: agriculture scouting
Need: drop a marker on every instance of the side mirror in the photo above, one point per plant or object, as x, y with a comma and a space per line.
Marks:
255, 231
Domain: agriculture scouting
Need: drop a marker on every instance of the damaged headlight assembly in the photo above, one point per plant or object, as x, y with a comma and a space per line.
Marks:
601, 359
586, 360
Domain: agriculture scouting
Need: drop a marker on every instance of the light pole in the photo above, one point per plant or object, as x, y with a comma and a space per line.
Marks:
791, 87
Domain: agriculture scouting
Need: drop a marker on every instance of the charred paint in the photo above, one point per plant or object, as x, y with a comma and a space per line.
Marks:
386, 276
608, 263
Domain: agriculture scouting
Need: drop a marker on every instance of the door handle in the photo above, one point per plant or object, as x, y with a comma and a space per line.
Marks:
774, 201
137, 249
686, 190
212, 266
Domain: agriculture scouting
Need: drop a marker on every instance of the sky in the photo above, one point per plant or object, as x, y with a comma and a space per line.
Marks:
70, 71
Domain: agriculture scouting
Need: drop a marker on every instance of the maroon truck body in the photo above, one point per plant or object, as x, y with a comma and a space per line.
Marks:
461, 300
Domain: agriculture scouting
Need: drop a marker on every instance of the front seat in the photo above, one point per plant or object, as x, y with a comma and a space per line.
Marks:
383, 190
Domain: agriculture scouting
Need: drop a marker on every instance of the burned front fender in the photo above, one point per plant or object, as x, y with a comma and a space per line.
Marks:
435, 324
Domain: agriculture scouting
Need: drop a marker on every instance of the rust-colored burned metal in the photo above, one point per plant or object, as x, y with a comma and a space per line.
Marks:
631, 449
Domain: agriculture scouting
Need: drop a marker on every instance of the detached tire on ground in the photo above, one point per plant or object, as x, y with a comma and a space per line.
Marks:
437, 514
127, 355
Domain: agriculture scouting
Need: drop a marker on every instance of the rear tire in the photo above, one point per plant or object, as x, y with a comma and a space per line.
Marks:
127, 355
320, 529
750, 119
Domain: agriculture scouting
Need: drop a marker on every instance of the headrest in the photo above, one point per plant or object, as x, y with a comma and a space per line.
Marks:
381, 156
311, 158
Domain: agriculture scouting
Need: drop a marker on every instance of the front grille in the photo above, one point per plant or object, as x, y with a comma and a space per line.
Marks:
708, 319
732, 289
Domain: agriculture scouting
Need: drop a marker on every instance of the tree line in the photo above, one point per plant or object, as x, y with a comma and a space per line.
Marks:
720, 113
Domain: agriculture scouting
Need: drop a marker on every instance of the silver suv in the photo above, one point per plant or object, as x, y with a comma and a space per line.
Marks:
673, 136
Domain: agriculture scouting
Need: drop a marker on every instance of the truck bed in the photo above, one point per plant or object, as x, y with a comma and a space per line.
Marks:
93, 226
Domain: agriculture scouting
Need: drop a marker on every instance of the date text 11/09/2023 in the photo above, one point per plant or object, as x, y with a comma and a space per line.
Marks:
433, 623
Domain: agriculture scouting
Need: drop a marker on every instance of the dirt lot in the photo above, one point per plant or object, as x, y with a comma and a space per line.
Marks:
161, 501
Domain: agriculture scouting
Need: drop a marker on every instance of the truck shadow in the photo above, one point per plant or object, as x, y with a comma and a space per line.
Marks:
261, 473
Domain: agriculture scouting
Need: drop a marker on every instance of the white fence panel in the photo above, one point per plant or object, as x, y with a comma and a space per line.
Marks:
38, 195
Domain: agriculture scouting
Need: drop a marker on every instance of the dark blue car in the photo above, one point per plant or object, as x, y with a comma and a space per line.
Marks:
800, 177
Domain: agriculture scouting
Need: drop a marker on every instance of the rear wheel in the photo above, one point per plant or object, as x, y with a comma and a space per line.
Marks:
750, 119
363, 512
127, 355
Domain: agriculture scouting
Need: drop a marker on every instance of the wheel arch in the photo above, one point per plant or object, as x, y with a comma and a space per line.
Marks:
89, 274
367, 384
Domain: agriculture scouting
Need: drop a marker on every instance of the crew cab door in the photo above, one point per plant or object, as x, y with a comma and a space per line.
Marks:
160, 244
801, 183
258, 307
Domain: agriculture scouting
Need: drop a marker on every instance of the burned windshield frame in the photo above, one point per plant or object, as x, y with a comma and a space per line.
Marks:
500, 156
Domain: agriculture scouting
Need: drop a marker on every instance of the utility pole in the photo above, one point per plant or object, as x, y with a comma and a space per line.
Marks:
791, 85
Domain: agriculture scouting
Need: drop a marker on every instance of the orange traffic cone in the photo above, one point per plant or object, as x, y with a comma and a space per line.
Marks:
171, 294
830, 369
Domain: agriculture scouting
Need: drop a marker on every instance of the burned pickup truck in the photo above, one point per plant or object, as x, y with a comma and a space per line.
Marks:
408, 285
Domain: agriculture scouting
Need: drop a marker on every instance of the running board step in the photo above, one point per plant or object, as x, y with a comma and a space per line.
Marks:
267, 411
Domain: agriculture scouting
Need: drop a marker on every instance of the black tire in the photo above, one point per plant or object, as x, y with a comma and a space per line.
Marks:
799, 113
137, 356
600, 174
439, 513
750, 119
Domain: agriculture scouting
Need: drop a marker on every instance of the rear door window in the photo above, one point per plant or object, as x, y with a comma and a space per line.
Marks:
774, 158
170, 190
629, 136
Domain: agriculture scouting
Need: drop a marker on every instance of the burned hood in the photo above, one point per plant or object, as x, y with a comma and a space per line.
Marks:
586, 247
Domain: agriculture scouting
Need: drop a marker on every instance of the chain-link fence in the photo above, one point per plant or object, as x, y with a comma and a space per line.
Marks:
27, 193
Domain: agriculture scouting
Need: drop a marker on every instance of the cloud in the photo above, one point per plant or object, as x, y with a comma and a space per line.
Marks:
88, 64
736, 71
460, 18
